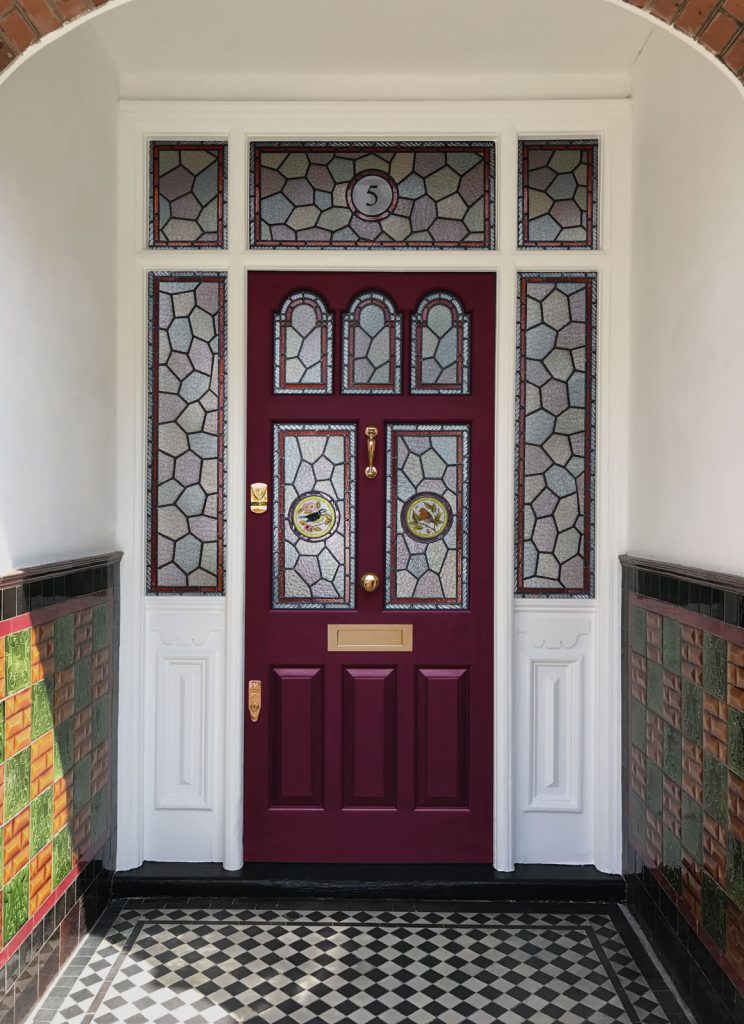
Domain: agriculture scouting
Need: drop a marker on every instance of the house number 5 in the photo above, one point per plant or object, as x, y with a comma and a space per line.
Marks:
372, 196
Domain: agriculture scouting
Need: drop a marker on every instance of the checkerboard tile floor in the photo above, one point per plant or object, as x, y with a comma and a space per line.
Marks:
231, 963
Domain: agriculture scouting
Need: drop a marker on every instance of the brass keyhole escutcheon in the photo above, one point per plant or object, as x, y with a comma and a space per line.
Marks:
370, 582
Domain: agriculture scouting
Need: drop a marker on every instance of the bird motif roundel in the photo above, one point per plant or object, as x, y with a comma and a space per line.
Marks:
426, 516
313, 516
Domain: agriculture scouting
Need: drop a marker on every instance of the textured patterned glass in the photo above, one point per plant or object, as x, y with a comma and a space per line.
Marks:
303, 346
440, 346
556, 419
314, 529
372, 346
428, 476
369, 195
188, 195
186, 434
558, 194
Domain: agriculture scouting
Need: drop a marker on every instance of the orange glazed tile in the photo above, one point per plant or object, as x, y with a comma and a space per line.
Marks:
17, 722
40, 878
42, 764
2, 793
62, 807
16, 836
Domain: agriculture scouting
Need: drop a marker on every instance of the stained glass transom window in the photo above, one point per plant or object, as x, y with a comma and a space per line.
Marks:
368, 195
186, 433
428, 478
556, 422
440, 346
314, 525
558, 194
303, 346
188, 195
372, 346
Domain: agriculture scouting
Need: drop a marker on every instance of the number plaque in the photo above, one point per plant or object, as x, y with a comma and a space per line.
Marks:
372, 196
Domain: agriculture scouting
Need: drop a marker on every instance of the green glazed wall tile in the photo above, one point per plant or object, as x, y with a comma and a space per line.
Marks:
735, 883
100, 627
61, 855
41, 821
638, 724
638, 630
673, 752
672, 645
736, 742
99, 814
715, 656
15, 904
64, 642
692, 827
83, 683
655, 688
63, 749
17, 783
714, 910
692, 712
654, 787
2, 732
715, 788
42, 708
17, 661
81, 784
673, 859
100, 721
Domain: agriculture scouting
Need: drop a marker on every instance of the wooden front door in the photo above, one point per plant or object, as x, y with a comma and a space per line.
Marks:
374, 737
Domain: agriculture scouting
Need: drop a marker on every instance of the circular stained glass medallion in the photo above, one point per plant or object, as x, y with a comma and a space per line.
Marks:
426, 516
372, 196
313, 516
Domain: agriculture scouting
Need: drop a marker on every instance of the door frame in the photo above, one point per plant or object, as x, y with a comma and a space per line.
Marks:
154, 628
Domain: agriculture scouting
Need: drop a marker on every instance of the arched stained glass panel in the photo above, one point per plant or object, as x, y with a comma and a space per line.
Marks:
440, 346
303, 346
372, 346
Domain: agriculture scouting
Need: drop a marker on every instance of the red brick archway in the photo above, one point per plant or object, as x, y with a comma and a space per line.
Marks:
718, 25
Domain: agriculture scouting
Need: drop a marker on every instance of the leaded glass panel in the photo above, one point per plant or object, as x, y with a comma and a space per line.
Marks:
313, 507
370, 195
428, 478
303, 346
555, 446
188, 195
440, 346
558, 194
186, 433
372, 346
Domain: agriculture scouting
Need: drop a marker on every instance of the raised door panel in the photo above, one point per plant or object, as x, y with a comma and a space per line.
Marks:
442, 712
296, 737
369, 737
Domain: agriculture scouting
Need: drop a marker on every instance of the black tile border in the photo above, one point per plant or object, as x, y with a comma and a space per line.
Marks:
31, 590
702, 982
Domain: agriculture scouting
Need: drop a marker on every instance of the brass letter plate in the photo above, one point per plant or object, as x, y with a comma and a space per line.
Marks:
377, 637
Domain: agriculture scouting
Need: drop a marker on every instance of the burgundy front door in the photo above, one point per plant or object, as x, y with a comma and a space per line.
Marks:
372, 744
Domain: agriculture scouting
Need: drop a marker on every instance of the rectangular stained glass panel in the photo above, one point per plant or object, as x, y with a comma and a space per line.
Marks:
428, 479
186, 433
558, 194
370, 195
314, 526
555, 438
188, 195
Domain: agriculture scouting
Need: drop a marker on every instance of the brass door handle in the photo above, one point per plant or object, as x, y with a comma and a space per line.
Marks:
369, 582
371, 434
254, 699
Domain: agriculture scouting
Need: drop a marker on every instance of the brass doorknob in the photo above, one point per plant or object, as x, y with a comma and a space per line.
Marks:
370, 582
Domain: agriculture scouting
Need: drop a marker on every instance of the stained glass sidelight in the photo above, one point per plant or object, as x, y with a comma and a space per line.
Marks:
372, 346
303, 346
558, 194
428, 477
314, 527
188, 195
368, 195
440, 346
186, 433
556, 422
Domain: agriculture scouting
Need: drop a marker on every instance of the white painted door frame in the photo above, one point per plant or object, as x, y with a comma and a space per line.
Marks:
205, 823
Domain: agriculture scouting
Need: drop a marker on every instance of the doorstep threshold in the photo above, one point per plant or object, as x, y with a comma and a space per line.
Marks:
369, 881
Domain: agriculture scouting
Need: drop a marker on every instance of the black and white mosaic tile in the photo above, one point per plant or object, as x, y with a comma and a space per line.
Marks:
225, 963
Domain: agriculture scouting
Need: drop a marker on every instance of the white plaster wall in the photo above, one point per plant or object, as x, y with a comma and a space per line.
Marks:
686, 497
57, 304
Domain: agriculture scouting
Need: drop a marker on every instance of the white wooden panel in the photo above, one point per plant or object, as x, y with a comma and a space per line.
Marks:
181, 738
555, 736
